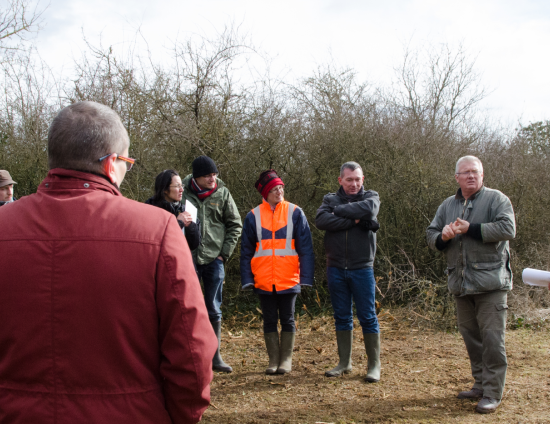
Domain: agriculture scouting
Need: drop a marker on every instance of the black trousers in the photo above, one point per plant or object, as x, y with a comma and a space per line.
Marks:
277, 307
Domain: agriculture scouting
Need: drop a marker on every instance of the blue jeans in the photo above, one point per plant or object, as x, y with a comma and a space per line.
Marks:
212, 276
346, 286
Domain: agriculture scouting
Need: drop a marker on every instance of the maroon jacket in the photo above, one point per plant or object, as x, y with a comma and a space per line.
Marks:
102, 319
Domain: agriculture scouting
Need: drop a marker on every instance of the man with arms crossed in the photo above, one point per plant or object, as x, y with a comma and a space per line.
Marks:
349, 219
103, 319
472, 229
220, 229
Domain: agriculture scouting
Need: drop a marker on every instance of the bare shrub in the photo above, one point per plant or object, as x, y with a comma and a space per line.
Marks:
407, 139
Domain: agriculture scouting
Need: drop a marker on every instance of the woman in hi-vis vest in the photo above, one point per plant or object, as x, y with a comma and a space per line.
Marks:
276, 259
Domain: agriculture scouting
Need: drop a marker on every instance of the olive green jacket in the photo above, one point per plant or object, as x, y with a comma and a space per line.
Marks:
221, 223
476, 265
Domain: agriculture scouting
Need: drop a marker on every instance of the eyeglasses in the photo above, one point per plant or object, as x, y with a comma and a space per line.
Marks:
474, 172
178, 186
129, 161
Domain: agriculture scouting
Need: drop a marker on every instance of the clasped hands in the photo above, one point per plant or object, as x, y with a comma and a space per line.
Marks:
451, 230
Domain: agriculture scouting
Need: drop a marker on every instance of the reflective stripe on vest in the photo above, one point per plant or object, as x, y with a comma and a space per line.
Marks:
288, 250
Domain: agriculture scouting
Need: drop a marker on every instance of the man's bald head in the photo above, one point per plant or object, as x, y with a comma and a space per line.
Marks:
82, 133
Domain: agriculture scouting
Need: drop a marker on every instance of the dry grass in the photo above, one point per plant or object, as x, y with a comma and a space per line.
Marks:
422, 372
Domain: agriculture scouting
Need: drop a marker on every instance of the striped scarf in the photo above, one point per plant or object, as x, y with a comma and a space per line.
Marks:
202, 194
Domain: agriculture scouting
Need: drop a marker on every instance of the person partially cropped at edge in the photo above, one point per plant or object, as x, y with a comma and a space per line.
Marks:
276, 260
6, 188
349, 218
220, 230
103, 319
168, 196
473, 228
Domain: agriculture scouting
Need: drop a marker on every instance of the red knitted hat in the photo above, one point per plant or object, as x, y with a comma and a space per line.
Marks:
268, 179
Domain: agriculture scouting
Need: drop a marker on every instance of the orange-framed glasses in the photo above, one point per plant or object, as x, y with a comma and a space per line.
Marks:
129, 161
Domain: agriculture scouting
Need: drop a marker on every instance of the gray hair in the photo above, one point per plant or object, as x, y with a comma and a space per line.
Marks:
82, 133
468, 159
352, 166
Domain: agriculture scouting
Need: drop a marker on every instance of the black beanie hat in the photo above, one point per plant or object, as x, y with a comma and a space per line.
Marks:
203, 165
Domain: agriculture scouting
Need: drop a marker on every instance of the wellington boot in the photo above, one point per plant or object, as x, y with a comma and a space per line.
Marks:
217, 362
372, 346
285, 352
272, 345
344, 339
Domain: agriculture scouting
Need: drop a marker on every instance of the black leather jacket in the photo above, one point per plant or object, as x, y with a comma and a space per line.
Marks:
349, 245
192, 232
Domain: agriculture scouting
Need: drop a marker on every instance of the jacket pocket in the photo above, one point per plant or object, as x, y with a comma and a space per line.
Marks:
453, 281
486, 276
486, 265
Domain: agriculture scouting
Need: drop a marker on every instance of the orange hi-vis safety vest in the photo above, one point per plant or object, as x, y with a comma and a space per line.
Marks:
275, 263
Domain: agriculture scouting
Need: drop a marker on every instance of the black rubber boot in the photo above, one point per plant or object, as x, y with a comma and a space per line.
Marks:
217, 362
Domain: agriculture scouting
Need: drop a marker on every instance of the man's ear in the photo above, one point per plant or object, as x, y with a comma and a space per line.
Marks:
109, 168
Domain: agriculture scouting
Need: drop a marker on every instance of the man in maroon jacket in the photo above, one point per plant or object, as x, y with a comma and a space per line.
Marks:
102, 316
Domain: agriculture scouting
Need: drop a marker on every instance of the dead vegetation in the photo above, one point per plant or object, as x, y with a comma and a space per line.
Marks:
423, 370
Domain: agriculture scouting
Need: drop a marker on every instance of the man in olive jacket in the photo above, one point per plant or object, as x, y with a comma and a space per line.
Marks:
349, 219
472, 229
220, 229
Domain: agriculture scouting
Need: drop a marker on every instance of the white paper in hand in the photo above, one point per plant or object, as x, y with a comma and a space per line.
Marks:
190, 207
536, 277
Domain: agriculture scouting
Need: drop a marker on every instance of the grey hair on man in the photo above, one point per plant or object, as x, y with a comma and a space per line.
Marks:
82, 133
352, 166
468, 159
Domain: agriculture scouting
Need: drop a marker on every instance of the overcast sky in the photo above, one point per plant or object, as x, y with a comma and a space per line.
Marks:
510, 38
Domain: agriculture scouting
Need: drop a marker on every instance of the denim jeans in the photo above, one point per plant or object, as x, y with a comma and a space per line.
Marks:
278, 306
346, 286
212, 276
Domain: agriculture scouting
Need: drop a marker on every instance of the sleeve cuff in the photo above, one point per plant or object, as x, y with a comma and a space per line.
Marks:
369, 225
474, 231
440, 244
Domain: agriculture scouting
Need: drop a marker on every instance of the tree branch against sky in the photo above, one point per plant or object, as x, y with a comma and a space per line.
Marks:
19, 20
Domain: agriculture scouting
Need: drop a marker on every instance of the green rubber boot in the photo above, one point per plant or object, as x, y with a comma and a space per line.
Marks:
372, 346
287, 347
272, 345
344, 339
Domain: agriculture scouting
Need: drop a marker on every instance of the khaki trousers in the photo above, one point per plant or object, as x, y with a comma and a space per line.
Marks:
482, 323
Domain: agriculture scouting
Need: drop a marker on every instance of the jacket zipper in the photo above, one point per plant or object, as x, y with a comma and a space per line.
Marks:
346, 262
273, 251
461, 252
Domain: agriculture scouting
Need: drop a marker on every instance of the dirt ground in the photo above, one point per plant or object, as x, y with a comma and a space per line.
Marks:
422, 372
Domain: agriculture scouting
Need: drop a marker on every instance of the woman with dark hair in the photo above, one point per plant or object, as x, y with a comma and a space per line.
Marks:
168, 194
276, 259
